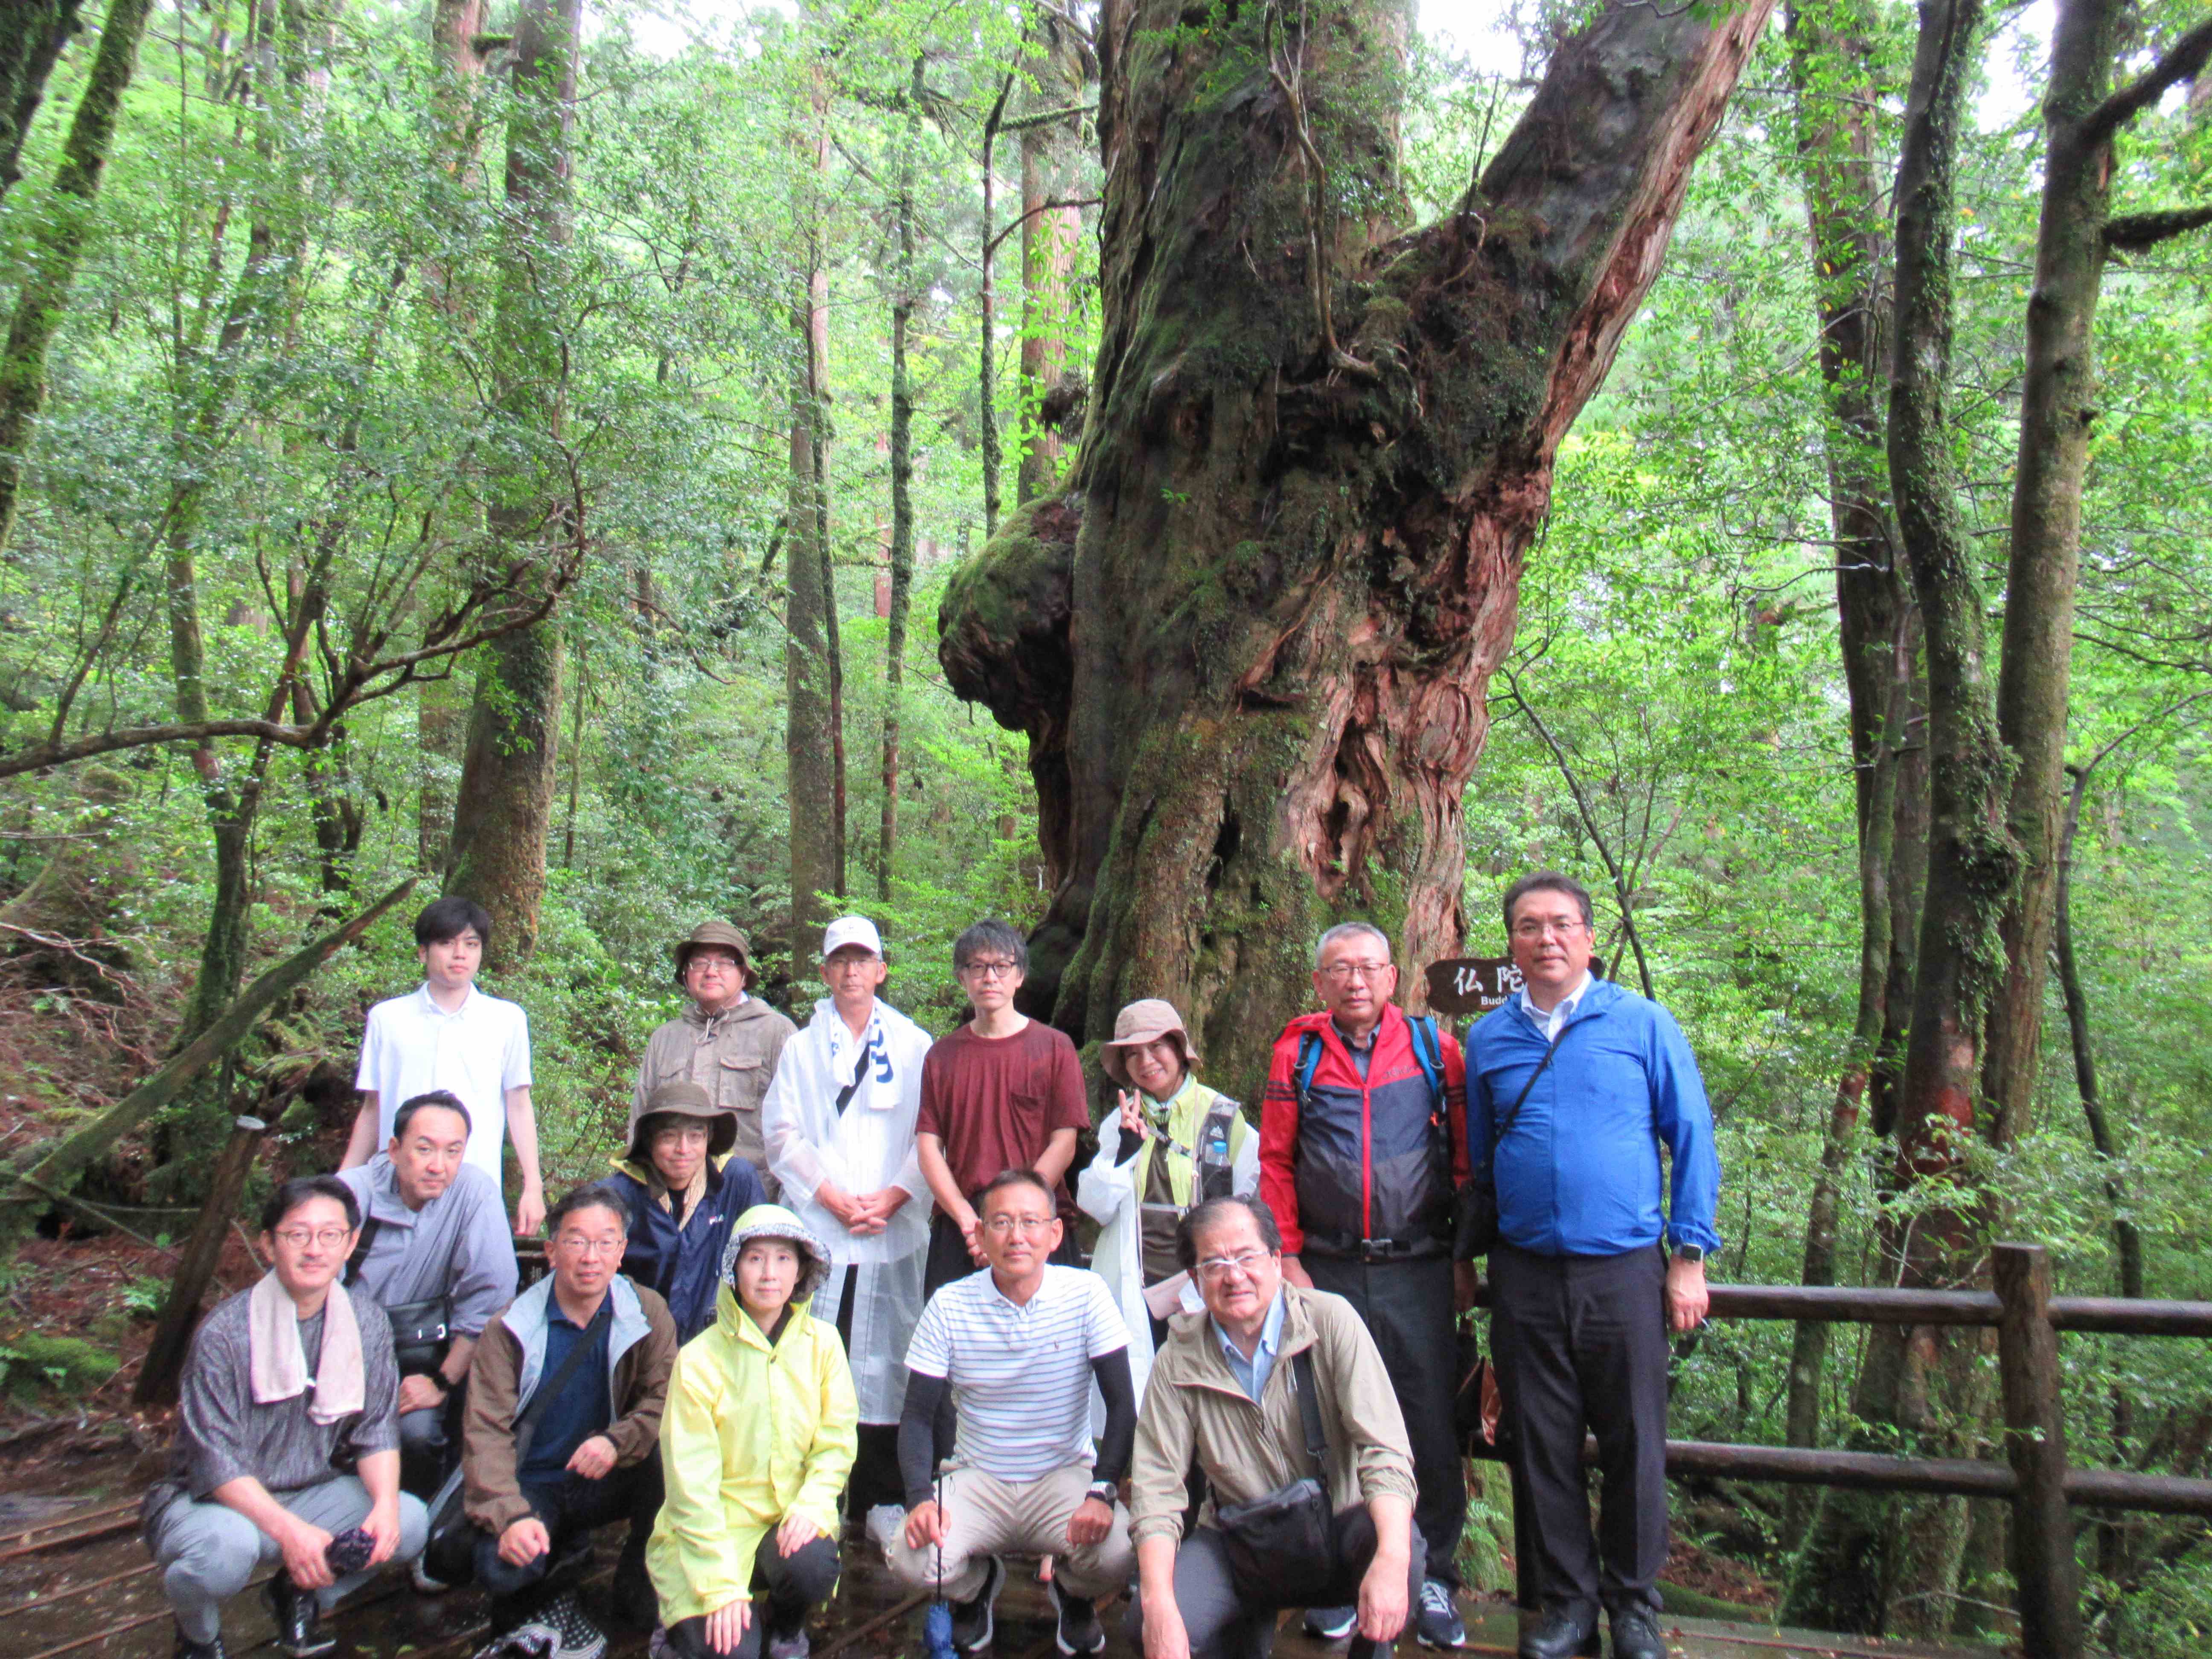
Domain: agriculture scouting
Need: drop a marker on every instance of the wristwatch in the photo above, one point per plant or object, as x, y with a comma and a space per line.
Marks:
1106, 1491
1689, 1253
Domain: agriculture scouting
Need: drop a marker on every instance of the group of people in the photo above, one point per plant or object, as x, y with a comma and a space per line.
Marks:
832, 1279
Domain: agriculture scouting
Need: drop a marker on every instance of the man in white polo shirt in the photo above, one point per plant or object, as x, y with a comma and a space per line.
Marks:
446, 1035
1019, 1347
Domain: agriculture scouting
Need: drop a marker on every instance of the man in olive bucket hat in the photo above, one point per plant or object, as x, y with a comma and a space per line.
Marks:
685, 1192
727, 1042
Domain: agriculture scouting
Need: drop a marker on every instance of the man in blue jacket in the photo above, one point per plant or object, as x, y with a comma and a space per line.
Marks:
1583, 1290
686, 1192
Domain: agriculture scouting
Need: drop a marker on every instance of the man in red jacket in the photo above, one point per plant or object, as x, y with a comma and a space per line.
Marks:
1362, 1143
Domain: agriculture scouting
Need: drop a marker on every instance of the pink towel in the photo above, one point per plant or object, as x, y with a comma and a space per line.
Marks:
278, 1363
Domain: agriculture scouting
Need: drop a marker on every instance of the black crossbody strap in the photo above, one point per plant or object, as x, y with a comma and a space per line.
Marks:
1310, 1408
360, 1249
526, 1423
845, 1094
1506, 1127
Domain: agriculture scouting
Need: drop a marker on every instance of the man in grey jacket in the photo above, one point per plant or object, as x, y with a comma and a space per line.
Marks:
727, 1042
1224, 1393
432, 1232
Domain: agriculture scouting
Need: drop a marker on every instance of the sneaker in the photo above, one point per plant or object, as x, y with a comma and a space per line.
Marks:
300, 1632
1079, 1631
580, 1638
529, 1640
971, 1620
1331, 1624
794, 1646
424, 1583
188, 1648
1439, 1625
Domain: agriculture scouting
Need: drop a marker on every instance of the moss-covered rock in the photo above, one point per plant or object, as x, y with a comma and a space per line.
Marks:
36, 1370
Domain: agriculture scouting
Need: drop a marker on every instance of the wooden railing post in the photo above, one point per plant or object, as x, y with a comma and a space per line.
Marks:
180, 1314
2043, 1563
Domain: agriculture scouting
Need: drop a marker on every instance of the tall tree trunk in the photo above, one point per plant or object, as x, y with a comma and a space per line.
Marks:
2058, 395
57, 246
32, 35
1869, 1563
901, 464
987, 302
811, 771
1055, 69
511, 768
1835, 94
1264, 610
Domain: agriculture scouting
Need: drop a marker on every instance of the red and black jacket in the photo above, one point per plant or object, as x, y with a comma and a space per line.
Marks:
1363, 1167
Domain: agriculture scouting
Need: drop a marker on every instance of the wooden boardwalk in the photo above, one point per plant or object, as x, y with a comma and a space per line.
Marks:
96, 1599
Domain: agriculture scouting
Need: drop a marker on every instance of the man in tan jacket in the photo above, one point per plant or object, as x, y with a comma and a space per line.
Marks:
1224, 1392
727, 1042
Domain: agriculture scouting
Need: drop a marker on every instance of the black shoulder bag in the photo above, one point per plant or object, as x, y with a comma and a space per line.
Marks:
1474, 1228
1283, 1544
421, 1331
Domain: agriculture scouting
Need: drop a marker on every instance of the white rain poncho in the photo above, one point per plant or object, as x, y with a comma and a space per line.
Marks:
868, 1146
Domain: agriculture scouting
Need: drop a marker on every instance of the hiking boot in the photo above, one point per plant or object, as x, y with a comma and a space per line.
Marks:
188, 1648
1636, 1634
971, 1620
300, 1632
580, 1638
1079, 1631
1439, 1623
1331, 1624
1562, 1633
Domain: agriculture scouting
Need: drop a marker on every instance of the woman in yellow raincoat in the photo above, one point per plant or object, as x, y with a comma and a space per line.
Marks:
755, 1444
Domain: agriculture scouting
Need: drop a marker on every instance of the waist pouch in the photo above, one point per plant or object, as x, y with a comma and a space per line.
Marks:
1281, 1545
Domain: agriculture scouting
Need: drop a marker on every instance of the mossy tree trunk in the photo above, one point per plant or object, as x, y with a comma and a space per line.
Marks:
32, 35
1869, 1562
1057, 69
902, 466
1251, 638
1835, 94
504, 810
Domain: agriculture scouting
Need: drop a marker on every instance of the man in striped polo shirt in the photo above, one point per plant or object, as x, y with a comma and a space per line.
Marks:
1019, 1348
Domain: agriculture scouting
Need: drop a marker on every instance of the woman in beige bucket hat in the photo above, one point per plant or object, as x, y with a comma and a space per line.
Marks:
1174, 1142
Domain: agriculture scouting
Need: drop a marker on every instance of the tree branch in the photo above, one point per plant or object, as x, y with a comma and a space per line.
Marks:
992, 246
2132, 231
2184, 61
1046, 118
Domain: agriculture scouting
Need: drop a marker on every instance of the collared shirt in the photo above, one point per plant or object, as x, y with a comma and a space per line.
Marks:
1551, 1023
477, 1052
1362, 1049
456, 1246
1020, 1372
1252, 1374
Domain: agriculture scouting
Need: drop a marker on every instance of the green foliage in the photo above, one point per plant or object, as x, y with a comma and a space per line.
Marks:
36, 1370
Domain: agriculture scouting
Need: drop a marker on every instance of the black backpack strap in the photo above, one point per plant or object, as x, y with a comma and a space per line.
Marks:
1505, 1127
360, 1250
860, 1071
1301, 1370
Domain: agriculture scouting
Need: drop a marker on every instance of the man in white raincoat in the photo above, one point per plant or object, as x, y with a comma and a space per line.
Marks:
839, 1121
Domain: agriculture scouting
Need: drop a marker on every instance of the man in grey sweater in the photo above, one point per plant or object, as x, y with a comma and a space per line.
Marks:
283, 1381
433, 1252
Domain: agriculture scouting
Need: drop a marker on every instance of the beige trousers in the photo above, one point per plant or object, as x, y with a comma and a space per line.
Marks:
985, 1517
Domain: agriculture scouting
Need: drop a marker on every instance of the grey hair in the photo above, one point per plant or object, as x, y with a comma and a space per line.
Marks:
1347, 930
1213, 1212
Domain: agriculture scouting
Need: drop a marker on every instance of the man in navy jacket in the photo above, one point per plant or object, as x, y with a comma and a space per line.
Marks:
1583, 1290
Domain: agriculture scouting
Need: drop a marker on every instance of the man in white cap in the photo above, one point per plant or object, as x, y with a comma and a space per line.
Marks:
839, 1121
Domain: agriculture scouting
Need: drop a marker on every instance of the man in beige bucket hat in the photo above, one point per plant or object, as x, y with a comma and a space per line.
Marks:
727, 1042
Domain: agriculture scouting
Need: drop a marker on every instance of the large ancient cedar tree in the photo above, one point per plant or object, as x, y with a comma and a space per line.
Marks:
1251, 640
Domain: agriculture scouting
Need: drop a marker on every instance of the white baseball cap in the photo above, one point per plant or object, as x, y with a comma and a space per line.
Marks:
851, 930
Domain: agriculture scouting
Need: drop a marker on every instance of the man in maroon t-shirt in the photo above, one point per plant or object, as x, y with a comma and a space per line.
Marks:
1000, 1092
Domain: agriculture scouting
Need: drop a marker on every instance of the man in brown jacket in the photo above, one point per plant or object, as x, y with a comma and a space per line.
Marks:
727, 1042
1222, 1392
563, 1430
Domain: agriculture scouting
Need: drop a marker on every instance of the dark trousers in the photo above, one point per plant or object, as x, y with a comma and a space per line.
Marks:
784, 1591
1407, 1309
1224, 1624
875, 1478
1581, 1343
570, 1506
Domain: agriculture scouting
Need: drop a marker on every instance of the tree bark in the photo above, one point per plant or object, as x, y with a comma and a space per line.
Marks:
33, 33
1871, 1563
811, 772
57, 246
1262, 616
987, 303
901, 467
1055, 68
1835, 94
2059, 394
510, 770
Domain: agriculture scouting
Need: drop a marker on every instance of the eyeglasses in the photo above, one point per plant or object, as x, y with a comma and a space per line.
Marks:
1536, 927
329, 1237
577, 1246
1344, 972
1005, 1226
1243, 1264
988, 970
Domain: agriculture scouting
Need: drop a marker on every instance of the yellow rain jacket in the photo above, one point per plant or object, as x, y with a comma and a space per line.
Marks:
753, 1431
